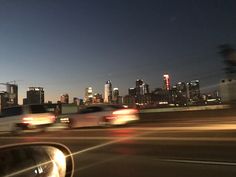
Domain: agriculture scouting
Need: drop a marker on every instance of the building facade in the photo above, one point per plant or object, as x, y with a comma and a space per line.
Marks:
3, 100
116, 95
179, 94
97, 98
132, 91
35, 95
138, 88
9, 97
166, 80
108, 92
12, 90
88, 97
193, 91
64, 98
144, 89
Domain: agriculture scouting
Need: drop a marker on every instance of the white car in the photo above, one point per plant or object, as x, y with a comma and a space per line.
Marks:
102, 115
15, 119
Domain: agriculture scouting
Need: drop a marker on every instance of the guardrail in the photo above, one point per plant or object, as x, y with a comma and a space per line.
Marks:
188, 113
192, 108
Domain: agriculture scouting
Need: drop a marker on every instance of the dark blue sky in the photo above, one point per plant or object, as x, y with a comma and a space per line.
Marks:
66, 45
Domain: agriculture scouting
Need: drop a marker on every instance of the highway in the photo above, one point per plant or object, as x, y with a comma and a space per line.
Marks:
146, 149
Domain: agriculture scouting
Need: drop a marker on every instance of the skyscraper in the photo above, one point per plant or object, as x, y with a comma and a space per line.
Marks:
108, 92
76, 101
179, 94
193, 90
144, 89
12, 90
10, 95
97, 98
116, 95
132, 91
166, 79
88, 98
35, 95
139, 83
182, 88
64, 98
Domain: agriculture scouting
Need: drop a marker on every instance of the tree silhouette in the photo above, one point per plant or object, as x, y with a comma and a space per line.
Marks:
229, 55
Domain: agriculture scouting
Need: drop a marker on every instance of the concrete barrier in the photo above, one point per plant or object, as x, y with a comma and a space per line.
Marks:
180, 114
191, 108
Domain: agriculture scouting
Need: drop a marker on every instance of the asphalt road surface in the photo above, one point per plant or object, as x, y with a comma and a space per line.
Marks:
146, 150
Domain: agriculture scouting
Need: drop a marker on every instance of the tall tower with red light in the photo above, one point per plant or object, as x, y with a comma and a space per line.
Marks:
166, 79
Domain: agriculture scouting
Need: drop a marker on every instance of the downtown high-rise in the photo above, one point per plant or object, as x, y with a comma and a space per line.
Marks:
108, 92
166, 82
35, 95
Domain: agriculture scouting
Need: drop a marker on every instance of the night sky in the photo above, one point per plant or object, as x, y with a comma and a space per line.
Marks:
66, 46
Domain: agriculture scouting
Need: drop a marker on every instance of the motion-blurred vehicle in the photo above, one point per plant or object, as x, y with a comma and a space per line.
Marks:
102, 115
16, 119
36, 160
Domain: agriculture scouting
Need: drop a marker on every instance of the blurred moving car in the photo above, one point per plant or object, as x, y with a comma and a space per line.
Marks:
16, 119
101, 115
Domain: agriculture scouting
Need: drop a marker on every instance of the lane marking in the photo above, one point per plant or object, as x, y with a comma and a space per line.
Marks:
109, 143
210, 127
212, 139
201, 162
207, 127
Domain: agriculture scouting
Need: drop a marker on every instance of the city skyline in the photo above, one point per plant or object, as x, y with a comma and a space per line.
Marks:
138, 88
66, 47
140, 83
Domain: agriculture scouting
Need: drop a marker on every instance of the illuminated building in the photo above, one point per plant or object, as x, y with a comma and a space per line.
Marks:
115, 95
64, 99
129, 101
132, 91
182, 88
77, 101
97, 98
12, 91
140, 93
10, 95
108, 92
139, 84
144, 89
160, 97
88, 98
193, 91
166, 79
179, 94
35, 95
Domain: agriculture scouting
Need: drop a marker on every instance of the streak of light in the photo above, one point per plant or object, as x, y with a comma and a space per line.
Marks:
118, 140
201, 162
126, 139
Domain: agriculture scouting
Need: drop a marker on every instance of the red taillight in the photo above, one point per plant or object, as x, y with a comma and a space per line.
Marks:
110, 117
53, 118
27, 120
125, 111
